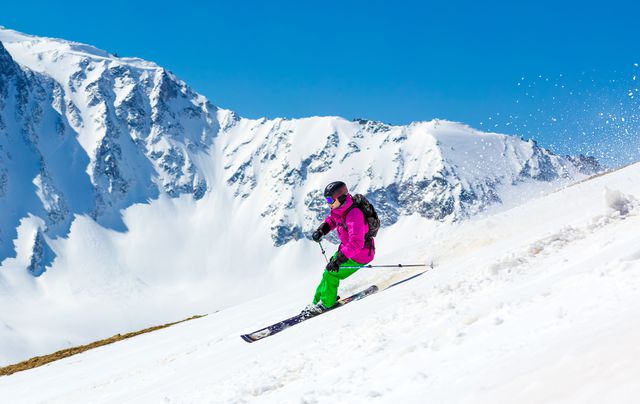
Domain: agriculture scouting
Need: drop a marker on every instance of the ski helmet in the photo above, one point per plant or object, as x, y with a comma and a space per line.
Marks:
335, 190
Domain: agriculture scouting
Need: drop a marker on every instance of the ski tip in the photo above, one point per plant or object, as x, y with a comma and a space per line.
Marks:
246, 338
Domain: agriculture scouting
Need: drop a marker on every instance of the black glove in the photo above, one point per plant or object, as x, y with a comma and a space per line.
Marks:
336, 261
321, 232
317, 235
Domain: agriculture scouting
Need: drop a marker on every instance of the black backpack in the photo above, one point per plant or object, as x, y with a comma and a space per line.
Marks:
370, 215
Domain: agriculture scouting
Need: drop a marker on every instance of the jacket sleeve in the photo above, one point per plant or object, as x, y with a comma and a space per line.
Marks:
357, 230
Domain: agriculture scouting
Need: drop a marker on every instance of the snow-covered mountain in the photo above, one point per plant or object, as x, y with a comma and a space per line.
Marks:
84, 132
438, 169
96, 133
121, 182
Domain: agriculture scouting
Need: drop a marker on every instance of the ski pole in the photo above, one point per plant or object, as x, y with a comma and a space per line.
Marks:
389, 266
323, 252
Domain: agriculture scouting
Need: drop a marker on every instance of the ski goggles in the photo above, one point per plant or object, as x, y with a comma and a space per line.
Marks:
330, 200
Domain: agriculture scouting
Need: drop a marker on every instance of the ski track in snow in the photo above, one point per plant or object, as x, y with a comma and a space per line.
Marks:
536, 304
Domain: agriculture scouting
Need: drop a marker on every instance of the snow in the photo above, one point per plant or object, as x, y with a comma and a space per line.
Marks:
158, 205
532, 304
619, 202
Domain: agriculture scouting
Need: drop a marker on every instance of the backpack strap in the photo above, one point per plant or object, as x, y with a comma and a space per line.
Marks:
344, 217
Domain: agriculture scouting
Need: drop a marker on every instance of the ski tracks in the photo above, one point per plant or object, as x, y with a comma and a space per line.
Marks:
621, 207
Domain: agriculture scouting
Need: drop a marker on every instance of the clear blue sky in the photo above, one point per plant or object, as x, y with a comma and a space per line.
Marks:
394, 61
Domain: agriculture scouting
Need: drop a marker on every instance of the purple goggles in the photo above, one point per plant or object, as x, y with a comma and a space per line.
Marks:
330, 200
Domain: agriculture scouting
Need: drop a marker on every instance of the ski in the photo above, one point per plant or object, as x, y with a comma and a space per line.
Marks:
283, 325
406, 279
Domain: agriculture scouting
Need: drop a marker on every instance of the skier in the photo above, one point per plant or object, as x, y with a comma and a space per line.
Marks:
355, 249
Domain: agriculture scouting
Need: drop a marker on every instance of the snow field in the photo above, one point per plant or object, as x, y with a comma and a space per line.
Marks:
535, 304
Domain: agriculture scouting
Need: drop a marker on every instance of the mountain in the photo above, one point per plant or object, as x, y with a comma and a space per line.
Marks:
440, 170
133, 131
121, 183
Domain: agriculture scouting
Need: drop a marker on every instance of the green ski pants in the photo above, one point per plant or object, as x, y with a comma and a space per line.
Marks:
327, 290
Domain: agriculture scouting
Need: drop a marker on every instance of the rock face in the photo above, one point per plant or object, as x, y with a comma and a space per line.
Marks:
440, 170
83, 132
37, 153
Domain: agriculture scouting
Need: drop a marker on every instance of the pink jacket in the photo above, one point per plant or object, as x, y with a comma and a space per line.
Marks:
352, 238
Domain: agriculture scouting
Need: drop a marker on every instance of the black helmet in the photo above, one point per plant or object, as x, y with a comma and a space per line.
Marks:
335, 190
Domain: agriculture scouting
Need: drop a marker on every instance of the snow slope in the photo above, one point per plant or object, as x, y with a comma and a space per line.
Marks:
129, 198
533, 304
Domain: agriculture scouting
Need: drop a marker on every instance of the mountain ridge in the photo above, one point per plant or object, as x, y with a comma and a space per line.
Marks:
141, 129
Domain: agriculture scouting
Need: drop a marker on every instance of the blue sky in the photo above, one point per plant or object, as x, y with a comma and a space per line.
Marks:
545, 69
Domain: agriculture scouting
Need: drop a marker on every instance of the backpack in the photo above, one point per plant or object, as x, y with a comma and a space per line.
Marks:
370, 215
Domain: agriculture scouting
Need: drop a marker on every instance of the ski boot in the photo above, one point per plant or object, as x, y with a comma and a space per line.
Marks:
313, 310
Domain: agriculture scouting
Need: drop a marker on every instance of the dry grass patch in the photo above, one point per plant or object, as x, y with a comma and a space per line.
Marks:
43, 360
